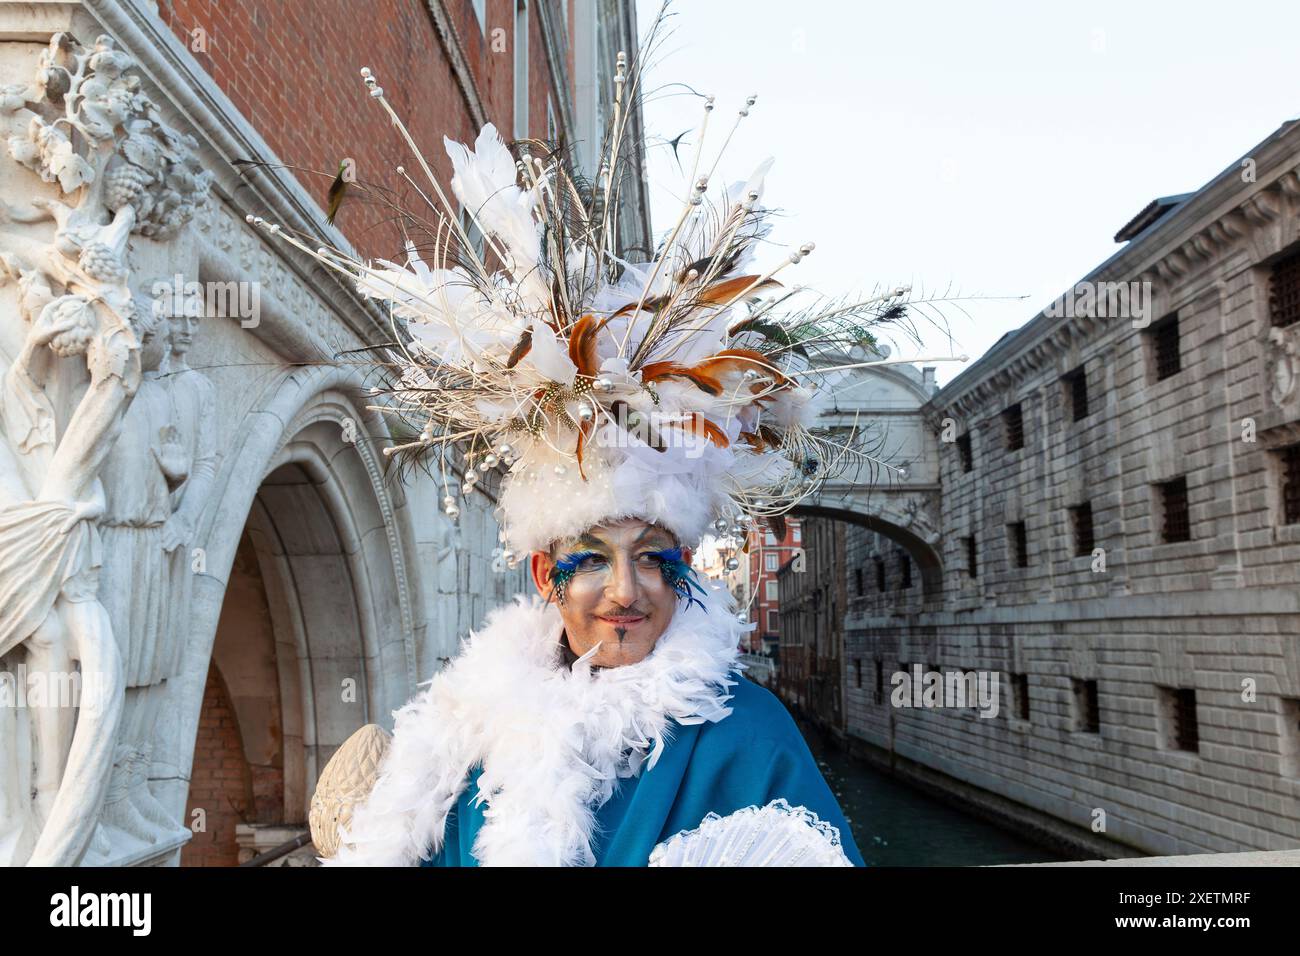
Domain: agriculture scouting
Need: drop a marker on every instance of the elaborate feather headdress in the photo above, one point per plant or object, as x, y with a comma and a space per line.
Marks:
586, 385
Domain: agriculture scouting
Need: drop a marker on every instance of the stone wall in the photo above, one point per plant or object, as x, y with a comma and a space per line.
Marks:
1179, 616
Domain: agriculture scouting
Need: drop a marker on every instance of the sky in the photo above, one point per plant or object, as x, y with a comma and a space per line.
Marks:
990, 150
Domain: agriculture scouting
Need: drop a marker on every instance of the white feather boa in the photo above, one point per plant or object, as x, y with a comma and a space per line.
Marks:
552, 741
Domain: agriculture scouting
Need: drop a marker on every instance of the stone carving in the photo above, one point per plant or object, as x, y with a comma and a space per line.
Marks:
157, 481
918, 518
1283, 365
84, 127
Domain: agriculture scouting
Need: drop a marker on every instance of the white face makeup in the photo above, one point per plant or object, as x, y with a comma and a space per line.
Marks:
611, 588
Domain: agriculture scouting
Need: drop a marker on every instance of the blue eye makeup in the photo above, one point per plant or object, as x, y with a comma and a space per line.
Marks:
564, 570
679, 575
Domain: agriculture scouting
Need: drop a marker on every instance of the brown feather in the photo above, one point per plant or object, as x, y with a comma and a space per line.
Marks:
622, 410
707, 374
728, 290
521, 348
738, 360
657, 370
700, 425
768, 434
582, 345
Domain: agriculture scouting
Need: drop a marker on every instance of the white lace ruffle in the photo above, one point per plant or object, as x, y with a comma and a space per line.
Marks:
774, 835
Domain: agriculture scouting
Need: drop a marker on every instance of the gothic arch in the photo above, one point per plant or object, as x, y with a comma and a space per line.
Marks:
333, 547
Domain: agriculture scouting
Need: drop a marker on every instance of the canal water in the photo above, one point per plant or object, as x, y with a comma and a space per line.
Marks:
896, 825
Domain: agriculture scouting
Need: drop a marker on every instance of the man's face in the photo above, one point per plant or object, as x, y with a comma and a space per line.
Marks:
182, 332
153, 347
616, 594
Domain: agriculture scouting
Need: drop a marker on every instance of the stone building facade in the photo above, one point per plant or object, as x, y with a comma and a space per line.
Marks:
268, 584
1120, 516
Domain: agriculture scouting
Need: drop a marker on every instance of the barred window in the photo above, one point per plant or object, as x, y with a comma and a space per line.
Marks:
1020, 693
969, 544
1076, 390
1176, 521
1167, 347
1284, 291
880, 574
1081, 519
1290, 460
905, 569
880, 681
1018, 538
857, 580
1013, 421
1087, 713
964, 452
1178, 706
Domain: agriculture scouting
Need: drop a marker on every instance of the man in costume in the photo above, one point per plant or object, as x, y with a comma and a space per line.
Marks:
618, 411
596, 727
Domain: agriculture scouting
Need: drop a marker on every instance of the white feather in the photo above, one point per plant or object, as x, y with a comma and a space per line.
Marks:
552, 742
485, 182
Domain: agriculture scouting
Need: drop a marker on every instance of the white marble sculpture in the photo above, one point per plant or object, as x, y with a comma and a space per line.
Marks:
115, 170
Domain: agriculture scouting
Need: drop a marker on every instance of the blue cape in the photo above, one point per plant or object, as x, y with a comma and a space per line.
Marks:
753, 756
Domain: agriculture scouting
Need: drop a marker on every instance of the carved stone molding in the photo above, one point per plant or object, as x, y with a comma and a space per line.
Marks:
1262, 208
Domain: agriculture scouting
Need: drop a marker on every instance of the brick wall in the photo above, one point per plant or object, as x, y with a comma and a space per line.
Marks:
221, 784
291, 68
764, 610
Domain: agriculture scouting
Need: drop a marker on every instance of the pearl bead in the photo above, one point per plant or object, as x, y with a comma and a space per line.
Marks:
490, 461
560, 469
